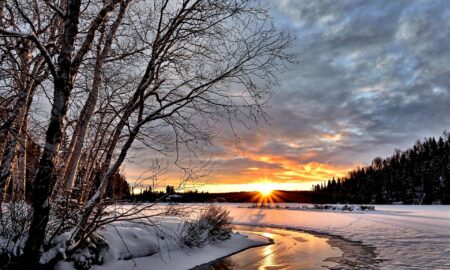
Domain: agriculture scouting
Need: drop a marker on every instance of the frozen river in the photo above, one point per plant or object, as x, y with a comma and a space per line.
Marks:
296, 250
403, 236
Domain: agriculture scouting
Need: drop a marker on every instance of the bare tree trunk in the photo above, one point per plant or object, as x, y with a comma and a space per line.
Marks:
2, 6
3, 141
7, 164
13, 141
22, 162
15, 130
47, 169
92, 157
87, 183
11, 194
89, 107
66, 157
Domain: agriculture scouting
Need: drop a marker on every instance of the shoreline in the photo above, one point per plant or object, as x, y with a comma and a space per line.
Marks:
355, 254
270, 242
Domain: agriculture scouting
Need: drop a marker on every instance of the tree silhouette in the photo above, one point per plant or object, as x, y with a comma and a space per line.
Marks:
418, 175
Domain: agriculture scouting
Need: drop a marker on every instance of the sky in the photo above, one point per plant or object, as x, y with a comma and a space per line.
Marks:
371, 77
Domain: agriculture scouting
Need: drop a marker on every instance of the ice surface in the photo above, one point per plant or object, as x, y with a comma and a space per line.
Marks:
406, 237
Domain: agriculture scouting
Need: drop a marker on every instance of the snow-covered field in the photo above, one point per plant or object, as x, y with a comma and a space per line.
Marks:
406, 237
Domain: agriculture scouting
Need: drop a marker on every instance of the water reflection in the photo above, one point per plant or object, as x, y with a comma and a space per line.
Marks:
268, 253
291, 250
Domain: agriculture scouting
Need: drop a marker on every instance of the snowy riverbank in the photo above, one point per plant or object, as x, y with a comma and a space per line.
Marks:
137, 246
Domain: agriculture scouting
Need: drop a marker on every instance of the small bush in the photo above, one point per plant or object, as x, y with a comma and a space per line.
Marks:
90, 253
367, 208
212, 224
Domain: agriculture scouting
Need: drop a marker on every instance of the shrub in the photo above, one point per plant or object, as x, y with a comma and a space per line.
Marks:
367, 208
90, 253
212, 224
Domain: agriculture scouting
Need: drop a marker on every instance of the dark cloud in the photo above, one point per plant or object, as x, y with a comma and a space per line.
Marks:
374, 72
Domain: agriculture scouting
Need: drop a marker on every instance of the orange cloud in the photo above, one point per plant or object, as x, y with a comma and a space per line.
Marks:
328, 137
282, 173
287, 165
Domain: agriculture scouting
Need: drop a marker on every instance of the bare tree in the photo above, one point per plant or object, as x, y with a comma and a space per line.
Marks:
120, 72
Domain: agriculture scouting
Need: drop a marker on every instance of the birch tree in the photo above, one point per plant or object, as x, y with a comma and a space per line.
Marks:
121, 71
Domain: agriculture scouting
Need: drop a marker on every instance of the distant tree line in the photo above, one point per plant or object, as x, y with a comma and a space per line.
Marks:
147, 195
150, 195
195, 196
419, 175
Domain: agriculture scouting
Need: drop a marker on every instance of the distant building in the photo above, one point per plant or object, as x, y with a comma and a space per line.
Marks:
174, 197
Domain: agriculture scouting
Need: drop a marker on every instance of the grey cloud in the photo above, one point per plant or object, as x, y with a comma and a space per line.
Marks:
374, 71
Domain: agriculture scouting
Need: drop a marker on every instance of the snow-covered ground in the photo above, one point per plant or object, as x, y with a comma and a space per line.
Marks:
138, 246
406, 237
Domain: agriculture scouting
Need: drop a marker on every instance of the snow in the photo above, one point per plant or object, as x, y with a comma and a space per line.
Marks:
406, 237
182, 259
137, 245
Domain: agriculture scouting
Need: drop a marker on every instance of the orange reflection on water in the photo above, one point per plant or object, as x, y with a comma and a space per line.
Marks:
291, 250
268, 254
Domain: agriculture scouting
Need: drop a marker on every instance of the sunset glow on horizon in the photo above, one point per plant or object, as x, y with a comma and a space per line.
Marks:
324, 119
274, 173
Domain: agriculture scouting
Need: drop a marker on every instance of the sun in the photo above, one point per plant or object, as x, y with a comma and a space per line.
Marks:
265, 190
266, 193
